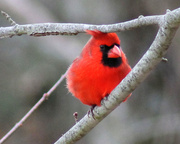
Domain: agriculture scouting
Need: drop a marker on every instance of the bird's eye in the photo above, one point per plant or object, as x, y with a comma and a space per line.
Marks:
102, 47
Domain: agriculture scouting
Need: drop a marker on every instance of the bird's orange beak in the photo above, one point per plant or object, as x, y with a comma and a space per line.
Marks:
115, 52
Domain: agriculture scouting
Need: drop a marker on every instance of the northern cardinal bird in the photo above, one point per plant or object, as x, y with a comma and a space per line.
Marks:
100, 67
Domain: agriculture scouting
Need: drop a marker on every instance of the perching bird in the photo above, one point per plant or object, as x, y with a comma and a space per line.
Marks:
100, 67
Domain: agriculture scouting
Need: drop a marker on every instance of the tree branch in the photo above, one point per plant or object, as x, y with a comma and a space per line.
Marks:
73, 29
12, 22
169, 24
29, 113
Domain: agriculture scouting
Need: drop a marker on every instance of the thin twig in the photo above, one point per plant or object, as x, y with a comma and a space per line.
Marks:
164, 59
75, 114
44, 97
12, 22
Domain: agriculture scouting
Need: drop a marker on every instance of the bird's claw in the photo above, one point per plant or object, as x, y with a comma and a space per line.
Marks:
90, 111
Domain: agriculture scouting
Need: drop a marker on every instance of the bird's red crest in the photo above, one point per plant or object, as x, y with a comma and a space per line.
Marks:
95, 33
109, 38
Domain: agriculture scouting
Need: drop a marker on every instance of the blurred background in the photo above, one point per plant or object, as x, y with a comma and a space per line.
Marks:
29, 67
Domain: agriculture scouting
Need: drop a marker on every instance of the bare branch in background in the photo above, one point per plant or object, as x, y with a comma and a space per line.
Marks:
29, 113
168, 24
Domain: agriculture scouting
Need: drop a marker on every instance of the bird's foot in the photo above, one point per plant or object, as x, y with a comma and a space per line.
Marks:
90, 111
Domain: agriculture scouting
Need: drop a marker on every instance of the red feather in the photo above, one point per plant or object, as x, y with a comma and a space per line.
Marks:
89, 78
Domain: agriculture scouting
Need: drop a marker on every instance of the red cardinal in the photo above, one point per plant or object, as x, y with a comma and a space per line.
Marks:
100, 67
